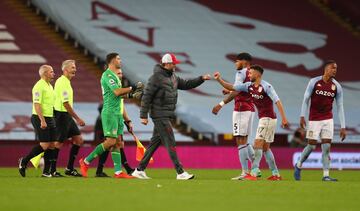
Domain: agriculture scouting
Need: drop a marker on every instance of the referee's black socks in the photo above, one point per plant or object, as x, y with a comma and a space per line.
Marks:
102, 160
36, 150
124, 162
47, 161
53, 159
72, 156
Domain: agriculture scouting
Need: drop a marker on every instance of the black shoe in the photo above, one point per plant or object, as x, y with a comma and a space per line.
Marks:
22, 169
102, 174
57, 174
48, 175
72, 172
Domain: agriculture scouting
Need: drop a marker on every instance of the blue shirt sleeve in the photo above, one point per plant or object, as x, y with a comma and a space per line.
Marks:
340, 104
307, 95
242, 87
270, 91
240, 77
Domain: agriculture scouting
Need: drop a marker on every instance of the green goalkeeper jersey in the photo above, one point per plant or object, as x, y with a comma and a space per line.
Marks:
111, 103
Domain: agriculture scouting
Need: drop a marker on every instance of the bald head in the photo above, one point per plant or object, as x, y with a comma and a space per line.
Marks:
43, 69
46, 72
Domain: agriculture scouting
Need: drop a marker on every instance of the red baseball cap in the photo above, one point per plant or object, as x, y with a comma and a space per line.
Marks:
169, 58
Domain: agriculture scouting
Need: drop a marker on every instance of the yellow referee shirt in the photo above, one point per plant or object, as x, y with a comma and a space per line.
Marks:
43, 93
63, 93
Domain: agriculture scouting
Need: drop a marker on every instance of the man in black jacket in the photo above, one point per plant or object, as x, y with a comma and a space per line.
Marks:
160, 100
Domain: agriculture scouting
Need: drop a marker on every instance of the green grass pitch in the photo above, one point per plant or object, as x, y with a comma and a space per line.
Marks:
210, 190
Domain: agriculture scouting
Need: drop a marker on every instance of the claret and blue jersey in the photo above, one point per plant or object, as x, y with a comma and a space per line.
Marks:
263, 96
243, 101
322, 95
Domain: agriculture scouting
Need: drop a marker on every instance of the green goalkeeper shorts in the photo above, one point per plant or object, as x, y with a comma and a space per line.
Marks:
113, 125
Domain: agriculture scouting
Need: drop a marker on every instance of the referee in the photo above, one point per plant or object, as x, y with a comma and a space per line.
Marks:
42, 119
64, 117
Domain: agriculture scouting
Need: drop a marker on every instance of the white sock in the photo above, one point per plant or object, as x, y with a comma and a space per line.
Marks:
243, 157
326, 173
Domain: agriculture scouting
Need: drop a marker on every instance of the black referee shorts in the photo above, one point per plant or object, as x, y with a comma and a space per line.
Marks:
44, 135
66, 126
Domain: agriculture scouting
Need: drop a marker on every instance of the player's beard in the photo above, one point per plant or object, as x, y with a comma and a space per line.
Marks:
333, 75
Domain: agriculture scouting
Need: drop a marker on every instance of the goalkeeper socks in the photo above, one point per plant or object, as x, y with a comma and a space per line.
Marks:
96, 152
102, 161
243, 157
72, 156
53, 160
124, 162
33, 153
305, 154
116, 157
251, 152
256, 163
270, 160
47, 161
325, 148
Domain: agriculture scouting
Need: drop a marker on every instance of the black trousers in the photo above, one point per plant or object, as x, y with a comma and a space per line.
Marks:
163, 133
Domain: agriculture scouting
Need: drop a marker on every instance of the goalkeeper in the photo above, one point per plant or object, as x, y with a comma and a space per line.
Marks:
137, 94
112, 119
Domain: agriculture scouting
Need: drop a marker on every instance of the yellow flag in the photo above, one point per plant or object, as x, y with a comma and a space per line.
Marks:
140, 150
36, 160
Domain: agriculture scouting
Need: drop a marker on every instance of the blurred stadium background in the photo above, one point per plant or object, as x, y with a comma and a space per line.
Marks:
205, 35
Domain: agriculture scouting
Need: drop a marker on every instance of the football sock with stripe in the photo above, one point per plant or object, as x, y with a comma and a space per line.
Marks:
256, 163
270, 160
243, 157
96, 152
305, 154
116, 157
325, 148
251, 152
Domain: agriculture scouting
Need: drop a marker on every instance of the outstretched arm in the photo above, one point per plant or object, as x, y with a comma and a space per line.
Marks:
226, 85
185, 84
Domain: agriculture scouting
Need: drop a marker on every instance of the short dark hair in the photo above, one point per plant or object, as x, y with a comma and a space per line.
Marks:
244, 56
327, 62
257, 68
110, 57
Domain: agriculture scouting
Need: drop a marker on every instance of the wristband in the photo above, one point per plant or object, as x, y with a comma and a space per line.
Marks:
222, 103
